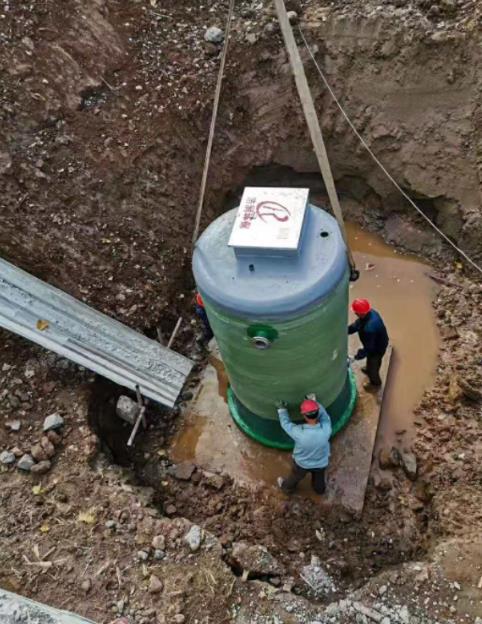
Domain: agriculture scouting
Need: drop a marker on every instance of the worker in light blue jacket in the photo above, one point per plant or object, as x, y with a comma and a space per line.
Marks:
312, 445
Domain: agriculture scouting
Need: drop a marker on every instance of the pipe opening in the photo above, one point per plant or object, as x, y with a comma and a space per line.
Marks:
260, 342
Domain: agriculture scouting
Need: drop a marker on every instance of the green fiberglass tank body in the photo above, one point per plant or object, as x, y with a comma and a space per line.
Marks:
274, 278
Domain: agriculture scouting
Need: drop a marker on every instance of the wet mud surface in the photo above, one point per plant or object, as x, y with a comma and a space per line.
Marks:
399, 287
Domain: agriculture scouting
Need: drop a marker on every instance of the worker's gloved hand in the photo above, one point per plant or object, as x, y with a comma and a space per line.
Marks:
359, 355
310, 396
281, 404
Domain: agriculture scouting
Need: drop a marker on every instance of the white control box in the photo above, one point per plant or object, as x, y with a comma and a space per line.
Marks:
269, 218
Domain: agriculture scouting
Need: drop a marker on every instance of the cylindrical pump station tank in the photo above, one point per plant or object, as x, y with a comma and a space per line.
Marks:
274, 278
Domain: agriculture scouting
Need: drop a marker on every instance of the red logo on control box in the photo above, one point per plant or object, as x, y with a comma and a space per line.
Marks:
270, 209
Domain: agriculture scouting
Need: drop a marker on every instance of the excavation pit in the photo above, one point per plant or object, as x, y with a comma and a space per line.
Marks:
399, 287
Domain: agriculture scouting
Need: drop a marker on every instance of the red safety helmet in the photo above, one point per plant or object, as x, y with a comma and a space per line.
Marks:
199, 300
309, 408
361, 307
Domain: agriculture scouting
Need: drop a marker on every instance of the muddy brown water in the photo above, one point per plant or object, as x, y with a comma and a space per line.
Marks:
399, 288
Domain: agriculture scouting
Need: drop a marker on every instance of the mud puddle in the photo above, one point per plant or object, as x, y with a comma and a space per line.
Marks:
400, 290
398, 286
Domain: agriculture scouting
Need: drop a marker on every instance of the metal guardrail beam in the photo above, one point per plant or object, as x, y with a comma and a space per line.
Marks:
55, 320
15, 608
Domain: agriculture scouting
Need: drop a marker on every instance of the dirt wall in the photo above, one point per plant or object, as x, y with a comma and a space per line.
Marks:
105, 109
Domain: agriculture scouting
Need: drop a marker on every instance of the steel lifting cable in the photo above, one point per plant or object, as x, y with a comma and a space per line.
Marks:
212, 128
377, 161
313, 124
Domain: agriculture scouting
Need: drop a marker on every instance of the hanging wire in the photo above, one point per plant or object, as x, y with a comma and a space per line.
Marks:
217, 94
377, 161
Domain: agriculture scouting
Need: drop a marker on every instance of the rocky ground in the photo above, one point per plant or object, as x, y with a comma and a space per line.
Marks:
105, 107
160, 542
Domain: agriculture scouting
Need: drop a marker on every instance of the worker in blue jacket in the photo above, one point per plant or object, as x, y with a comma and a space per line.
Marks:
311, 452
374, 338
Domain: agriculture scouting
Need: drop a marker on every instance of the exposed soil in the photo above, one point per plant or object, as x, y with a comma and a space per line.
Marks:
105, 107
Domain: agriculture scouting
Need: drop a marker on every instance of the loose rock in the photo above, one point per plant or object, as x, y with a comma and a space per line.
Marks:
159, 542
371, 614
53, 422
86, 586
256, 559
317, 578
384, 458
142, 555
170, 510
13, 425
38, 453
469, 390
194, 538
25, 463
213, 480
155, 584
127, 409
389, 458
182, 471
41, 468
214, 35
6, 458
5, 162
47, 446
409, 465
54, 437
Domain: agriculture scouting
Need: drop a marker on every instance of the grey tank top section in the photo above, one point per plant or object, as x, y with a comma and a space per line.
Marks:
269, 284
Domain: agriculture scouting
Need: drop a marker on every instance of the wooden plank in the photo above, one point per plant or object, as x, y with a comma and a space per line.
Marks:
311, 117
352, 448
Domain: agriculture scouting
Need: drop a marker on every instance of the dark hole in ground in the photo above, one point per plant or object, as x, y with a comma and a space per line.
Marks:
110, 429
284, 176
367, 208
114, 432
238, 571
275, 175
426, 204
92, 97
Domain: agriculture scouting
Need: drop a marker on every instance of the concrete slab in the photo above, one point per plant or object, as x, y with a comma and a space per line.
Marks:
352, 449
209, 437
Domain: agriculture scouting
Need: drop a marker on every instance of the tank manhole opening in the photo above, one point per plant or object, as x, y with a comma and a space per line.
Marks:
324, 234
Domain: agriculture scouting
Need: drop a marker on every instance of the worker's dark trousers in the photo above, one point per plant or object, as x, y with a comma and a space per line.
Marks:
373, 369
207, 331
298, 473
